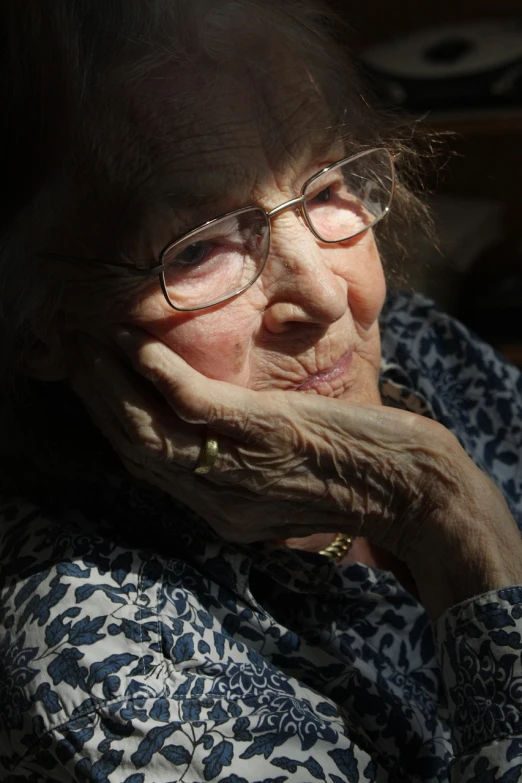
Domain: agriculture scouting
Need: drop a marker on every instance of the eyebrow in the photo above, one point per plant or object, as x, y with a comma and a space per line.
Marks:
330, 137
185, 201
180, 203
218, 194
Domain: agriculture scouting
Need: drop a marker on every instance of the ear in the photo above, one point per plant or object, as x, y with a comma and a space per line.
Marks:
45, 359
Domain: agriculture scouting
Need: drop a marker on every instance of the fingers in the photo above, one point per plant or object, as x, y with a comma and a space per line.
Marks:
142, 427
129, 414
288, 467
195, 398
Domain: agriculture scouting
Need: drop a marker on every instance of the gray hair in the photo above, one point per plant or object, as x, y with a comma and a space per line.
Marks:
62, 56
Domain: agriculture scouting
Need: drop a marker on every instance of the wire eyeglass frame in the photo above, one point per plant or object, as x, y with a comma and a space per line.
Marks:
298, 203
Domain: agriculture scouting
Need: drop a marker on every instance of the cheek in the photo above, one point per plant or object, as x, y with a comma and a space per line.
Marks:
216, 343
364, 274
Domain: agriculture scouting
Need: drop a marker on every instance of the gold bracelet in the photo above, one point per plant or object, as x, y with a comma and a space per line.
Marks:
338, 548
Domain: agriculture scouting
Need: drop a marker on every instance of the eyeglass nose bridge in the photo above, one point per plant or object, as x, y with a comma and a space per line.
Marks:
294, 202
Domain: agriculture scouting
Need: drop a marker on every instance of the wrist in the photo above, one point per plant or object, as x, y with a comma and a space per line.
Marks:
474, 547
463, 540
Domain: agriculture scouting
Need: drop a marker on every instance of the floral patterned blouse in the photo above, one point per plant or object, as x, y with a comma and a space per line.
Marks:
136, 647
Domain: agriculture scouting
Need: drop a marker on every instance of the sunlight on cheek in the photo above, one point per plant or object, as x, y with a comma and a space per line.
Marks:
217, 343
151, 307
360, 265
366, 298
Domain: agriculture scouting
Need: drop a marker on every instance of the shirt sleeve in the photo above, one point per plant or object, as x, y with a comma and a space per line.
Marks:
479, 647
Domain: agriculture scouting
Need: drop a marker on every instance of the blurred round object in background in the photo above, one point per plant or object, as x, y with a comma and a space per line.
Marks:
469, 64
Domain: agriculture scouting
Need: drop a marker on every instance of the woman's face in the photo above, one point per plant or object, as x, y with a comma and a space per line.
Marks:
309, 323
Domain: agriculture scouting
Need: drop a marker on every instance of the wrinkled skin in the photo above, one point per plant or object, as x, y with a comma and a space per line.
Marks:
286, 374
362, 469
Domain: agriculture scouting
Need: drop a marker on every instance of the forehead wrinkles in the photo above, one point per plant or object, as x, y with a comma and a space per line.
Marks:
298, 113
236, 130
189, 139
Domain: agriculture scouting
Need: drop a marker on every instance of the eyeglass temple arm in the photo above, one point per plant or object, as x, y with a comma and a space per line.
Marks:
131, 268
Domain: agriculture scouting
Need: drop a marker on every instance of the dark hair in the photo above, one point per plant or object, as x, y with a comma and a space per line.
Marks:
63, 63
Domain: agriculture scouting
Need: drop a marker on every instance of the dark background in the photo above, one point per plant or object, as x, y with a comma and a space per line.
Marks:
485, 163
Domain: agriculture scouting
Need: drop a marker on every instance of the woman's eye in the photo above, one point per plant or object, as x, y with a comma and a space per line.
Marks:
194, 254
324, 196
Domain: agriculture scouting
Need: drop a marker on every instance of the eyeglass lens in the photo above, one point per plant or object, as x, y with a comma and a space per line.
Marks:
225, 257
217, 260
350, 197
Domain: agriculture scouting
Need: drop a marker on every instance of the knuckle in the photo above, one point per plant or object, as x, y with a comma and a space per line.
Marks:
149, 442
147, 366
140, 429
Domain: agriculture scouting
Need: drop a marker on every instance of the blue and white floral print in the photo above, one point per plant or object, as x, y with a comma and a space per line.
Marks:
138, 648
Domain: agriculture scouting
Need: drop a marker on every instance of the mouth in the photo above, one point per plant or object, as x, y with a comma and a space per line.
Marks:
328, 376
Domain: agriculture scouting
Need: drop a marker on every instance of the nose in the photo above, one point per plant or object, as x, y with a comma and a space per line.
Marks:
300, 282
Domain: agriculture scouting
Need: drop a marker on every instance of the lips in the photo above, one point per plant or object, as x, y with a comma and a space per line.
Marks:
327, 376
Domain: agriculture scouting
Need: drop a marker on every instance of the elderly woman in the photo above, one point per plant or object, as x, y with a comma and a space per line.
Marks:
194, 226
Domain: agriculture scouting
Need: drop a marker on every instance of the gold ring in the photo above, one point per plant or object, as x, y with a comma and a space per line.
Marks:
208, 456
338, 548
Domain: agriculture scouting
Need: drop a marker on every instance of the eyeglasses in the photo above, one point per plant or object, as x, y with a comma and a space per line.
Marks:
221, 258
